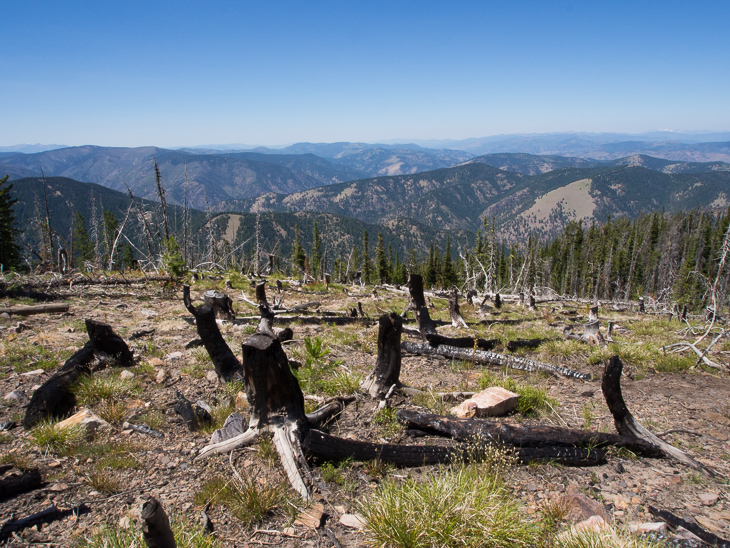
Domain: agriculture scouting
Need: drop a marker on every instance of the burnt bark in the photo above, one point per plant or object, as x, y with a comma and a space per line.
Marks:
524, 343
454, 311
387, 367
521, 436
16, 484
271, 387
221, 304
156, 528
225, 362
627, 425
462, 342
676, 521
423, 319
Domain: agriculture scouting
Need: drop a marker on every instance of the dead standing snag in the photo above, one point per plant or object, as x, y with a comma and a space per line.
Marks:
387, 367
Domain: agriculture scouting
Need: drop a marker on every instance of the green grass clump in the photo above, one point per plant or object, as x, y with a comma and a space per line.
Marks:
188, 534
48, 437
23, 357
387, 422
250, 499
532, 400
91, 389
459, 507
608, 538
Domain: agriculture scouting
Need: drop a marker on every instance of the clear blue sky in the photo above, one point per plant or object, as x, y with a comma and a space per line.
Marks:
129, 73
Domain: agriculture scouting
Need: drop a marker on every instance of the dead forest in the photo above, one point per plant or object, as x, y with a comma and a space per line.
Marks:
264, 410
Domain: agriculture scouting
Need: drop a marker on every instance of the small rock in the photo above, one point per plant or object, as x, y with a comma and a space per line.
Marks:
5, 316
172, 356
289, 531
87, 420
155, 362
161, 375
595, 524
683, 534
16, 396
708, 499
126, 375
56, 487
212, 376
33, 373
124, 523
311, 517
54, 464
582, 507
235, 425
340, 509
492, 402
355, 521
659, 528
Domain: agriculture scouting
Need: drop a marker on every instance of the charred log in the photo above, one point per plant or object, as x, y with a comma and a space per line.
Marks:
16, 484
484, 431
491, 358
387, 367
423, 319
462, 342
676, 521
627, 425
524, 343
225, 362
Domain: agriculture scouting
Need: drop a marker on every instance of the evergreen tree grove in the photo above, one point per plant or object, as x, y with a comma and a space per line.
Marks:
9, 251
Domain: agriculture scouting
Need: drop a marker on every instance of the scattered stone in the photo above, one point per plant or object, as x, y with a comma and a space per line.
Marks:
192, 413
716, 417
17, 396
172, 356
659, 528
160, 375
581, 507
289, 531
708, 499
155, 362
235, 425
683, 534
126, 374
594, 524
54, 464
311, 517
57, 487
492, 402
212, 376
355, 521
124, 523
87, 420
340, 509
5, 316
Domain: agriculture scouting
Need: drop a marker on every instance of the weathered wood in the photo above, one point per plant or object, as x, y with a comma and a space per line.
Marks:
497, 301
491, 358
326, 447
423, 319
676, 521
271, 387
454, 311
221, 304
627, 425
592, 333
521, 436
642, 308
16, 484
156, 529
225, 362
35, 309
387, 367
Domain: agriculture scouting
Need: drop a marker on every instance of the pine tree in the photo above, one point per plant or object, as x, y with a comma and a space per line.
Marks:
316, 255
299, 258
448, 274
9, 251
367, 263
83, 247
381, 260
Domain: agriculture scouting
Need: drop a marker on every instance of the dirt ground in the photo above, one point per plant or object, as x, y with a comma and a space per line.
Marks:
694, 404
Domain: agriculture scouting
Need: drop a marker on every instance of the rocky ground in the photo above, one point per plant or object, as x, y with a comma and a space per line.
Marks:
694, 405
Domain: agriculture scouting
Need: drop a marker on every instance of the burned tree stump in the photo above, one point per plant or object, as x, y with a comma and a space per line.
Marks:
387, 367
454, 311
642, 308
497, 301
226, 364
627, 425
221, 304
55, 398
156, 529
423, 319
593, 313
470, 297
592, 333
16, 484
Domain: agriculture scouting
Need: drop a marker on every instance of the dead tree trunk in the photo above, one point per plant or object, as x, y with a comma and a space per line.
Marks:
627, 425
497, 301
55, 397
156, 528
520, 436
491, 358
642, 308
225, 362
16, 484
423, 319
387, 367
220, 303
593, 313
277, 405
454, 312
36, 309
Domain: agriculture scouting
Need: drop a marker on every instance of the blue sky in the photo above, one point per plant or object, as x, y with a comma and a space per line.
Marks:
128, 73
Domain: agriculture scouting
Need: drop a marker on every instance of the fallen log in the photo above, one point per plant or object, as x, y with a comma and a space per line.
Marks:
16, 484
491, 358
225, 362
676, 521
521, 436
325, 447
35, 309
50, 514
627, 425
